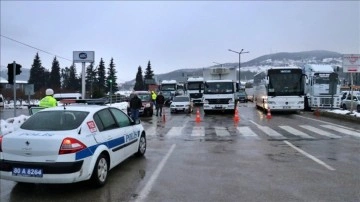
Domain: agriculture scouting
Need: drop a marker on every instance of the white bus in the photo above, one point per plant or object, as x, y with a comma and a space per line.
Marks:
280, 89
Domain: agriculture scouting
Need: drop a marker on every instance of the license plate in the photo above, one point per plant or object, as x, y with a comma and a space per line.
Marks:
179, 108
218, 106
27, 172
286, 107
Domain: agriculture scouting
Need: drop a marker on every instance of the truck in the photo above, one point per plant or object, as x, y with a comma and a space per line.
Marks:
169, 89
195, 89
220, 89
322, 87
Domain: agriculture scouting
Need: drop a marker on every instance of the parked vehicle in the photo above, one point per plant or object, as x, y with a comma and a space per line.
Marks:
355, 102
71, 143
147, 108
181, 103
242, 96
322, 87
219, 89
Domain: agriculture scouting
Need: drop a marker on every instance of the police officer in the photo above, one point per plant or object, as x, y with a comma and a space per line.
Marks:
48, 100
153, 97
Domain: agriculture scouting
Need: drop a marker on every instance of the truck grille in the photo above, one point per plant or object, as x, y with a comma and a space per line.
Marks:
219, 101
325, 101
196, 95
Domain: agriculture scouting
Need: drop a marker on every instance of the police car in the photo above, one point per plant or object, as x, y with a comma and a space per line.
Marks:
70, 143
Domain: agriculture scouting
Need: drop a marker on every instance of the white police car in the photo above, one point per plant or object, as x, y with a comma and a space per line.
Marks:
71, 143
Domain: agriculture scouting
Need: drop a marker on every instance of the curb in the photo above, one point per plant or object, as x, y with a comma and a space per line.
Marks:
340, 116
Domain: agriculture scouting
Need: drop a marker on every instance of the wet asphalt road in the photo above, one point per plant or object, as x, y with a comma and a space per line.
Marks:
290, 157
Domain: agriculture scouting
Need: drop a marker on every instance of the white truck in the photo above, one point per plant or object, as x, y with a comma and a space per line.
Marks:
168, 89
322, 87
195, 89
220, 89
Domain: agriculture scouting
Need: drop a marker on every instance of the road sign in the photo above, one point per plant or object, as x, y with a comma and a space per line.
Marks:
83, 56
351, 63
29, 89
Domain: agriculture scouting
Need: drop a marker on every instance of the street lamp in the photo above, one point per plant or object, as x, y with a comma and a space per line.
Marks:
241, 52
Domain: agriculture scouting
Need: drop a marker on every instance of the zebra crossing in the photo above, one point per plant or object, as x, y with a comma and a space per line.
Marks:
256, 131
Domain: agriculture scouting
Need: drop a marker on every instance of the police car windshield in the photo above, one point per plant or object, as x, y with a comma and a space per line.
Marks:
54, 120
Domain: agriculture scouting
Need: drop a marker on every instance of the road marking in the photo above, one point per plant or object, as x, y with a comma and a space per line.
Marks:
198, 131
151, 131
175, 131
146, 190
319, 131
221, 131
310, 156
342, 130
270, 132
328, 123
296, 132
247, 132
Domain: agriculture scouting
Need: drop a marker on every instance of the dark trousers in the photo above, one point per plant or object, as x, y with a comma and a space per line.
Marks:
134, 114
159, 107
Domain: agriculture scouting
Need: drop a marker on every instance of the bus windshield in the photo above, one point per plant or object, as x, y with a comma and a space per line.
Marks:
168, 86
286, 83
195, 86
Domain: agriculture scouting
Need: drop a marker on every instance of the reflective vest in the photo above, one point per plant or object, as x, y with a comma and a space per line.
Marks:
153, 96
48, 101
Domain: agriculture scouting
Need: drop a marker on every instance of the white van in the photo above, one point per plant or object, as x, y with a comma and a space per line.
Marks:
61, 96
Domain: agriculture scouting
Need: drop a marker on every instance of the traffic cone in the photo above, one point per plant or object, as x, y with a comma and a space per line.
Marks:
197, 118
236, 116
268, 115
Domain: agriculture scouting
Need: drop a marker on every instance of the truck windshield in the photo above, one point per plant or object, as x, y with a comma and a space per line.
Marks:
219, 87
168, 86
195, 86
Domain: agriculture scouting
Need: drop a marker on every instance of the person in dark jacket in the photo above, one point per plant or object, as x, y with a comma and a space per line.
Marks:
135, 106
160, 100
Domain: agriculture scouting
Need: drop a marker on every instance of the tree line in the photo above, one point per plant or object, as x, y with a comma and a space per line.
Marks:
99, 80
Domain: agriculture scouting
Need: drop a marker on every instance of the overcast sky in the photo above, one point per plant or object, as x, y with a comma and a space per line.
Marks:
174, 34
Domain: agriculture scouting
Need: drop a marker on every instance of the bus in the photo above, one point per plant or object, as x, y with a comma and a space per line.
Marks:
280, 89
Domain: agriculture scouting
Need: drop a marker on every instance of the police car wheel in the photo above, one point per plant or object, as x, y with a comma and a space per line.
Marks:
100, 171
142, 146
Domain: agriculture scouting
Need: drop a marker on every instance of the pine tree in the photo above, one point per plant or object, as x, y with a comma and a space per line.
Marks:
111, 79
101, 79
74, 81
139, 81
90, 79
37, 73
54, 81
149, 74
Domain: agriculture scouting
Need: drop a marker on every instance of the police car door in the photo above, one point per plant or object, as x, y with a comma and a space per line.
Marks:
110, 134
130, 136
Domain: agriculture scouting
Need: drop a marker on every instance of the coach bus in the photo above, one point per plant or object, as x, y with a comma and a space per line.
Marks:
280, 89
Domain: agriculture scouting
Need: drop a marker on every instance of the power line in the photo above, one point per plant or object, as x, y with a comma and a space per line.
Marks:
35, 47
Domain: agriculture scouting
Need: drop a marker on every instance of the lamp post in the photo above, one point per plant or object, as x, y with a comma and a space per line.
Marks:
241, 52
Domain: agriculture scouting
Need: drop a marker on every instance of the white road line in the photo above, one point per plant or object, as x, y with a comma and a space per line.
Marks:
342, 130
296, 132
198, 131
221, 131
310, 156
272, 133
319, 131
328, 123
146, 190
174, 131
150, 131
246, 131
